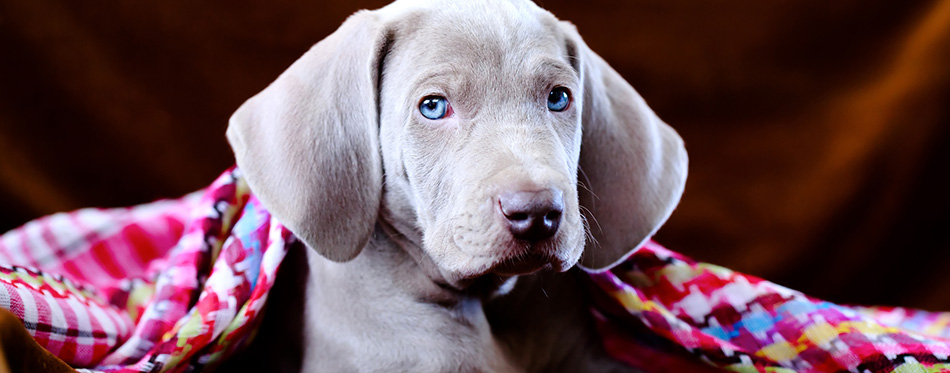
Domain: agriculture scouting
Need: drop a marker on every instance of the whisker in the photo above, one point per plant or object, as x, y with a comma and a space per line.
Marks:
586, 182
588, 233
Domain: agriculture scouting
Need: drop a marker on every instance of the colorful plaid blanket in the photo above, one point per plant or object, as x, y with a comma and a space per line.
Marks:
170, 286
179, 285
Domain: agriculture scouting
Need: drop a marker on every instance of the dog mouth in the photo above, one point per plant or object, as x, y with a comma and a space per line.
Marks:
493, 281
490, 260
496, 274
500, 270
523, 265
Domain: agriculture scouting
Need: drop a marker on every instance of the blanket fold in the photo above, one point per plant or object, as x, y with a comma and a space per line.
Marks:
180, 285
169, 286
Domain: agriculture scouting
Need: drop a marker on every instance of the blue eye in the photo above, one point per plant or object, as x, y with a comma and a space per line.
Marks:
434, 107
559, 99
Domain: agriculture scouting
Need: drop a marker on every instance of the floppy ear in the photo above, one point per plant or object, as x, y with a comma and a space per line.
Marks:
308, 144
632, 165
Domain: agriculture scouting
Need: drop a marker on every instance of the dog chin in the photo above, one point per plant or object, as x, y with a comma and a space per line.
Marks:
499, 279
499, 271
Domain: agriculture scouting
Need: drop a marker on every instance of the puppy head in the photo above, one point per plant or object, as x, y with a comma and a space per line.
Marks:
467, 125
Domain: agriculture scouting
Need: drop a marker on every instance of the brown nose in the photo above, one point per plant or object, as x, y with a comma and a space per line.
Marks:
532, 215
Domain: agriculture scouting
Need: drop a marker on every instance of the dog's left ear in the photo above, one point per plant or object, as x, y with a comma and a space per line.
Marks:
632, 168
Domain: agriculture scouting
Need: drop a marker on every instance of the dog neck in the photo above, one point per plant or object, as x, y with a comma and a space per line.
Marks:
386, 303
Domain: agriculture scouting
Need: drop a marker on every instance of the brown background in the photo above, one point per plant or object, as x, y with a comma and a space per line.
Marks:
817, 131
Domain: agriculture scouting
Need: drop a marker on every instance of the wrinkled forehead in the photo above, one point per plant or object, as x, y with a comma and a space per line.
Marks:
488, 38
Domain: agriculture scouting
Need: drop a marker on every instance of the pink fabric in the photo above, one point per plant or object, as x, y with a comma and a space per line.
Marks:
180, 285
169, 286
660, 306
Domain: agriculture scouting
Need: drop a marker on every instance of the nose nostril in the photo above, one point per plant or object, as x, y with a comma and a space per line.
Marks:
553, 216
518, 216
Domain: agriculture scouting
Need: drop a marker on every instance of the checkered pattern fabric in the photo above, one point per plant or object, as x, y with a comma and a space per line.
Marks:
662, 311
170, 286
179, 285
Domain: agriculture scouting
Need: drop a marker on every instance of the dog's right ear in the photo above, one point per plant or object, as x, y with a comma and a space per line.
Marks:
308, 144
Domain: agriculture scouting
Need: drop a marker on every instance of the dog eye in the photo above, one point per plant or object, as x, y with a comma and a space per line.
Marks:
434, 107
559, 99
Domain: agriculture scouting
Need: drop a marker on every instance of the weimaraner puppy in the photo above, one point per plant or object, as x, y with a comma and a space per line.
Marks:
428, 154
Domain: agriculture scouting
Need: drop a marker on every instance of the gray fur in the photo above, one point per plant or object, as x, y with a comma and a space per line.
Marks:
402, 212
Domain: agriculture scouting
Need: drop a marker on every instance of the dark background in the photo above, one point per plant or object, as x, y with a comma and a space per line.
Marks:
817, 131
